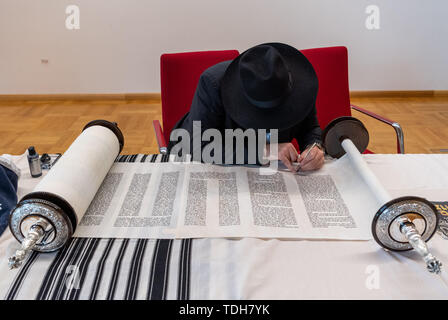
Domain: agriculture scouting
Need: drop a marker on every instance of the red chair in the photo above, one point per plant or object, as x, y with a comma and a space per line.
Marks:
180, 74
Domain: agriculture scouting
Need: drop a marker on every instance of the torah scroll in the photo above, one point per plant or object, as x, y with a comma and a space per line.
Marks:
47, 217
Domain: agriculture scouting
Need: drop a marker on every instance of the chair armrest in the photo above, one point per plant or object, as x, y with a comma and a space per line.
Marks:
159, 136
395, 125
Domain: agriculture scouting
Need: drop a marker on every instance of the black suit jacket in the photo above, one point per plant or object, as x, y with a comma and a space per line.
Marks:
207, 107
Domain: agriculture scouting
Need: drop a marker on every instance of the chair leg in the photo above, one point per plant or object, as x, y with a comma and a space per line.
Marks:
163, 148
394, 124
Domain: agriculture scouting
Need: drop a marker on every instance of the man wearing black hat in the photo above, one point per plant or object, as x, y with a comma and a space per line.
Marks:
269, 86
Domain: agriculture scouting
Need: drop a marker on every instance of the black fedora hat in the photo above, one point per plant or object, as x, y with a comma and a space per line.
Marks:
269, 86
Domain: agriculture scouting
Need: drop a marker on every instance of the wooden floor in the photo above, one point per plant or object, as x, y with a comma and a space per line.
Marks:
51, 126
424, 121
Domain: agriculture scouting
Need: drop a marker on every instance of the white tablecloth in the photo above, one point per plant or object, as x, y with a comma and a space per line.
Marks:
275, 269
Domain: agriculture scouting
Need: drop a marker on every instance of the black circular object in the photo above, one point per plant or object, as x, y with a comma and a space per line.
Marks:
113, 126
344, 128
392, 211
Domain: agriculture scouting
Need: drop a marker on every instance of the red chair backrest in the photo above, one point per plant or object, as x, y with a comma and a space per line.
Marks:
180, 74
333, 97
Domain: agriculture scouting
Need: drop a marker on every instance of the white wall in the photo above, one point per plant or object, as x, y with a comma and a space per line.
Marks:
118, 47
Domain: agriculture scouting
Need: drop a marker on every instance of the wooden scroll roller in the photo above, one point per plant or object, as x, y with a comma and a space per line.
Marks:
45, 219
400, 224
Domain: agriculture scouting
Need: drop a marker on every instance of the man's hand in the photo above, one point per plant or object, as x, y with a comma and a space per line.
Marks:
311, 159
287, 154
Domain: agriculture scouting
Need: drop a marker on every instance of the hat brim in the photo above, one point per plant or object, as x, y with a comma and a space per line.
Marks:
291, 111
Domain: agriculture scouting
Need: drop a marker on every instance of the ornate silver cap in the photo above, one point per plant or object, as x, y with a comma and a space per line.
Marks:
407, 223
38, 225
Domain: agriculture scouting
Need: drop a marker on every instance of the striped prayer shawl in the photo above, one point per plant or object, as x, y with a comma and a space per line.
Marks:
111, 269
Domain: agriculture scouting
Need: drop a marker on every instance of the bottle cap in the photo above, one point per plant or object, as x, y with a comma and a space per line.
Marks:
31, 151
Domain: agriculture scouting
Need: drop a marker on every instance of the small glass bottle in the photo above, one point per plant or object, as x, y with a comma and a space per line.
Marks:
34, 162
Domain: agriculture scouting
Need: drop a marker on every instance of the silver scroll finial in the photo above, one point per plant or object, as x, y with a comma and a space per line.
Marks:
36, 233
416, 241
